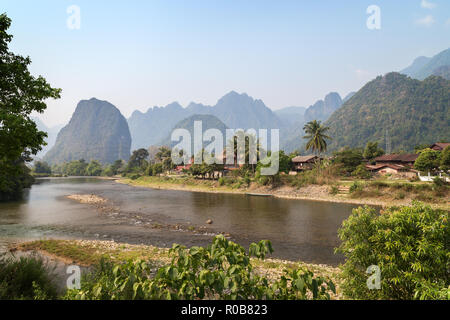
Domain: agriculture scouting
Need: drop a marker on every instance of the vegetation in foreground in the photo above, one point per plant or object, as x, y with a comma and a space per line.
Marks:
20, 95
222, 270
26, 278
410, 245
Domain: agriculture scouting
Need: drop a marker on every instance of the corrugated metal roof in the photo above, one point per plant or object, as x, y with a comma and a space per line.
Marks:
442, 145
304, 158
407, 157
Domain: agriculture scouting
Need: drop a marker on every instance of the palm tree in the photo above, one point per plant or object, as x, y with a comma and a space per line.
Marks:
315, 133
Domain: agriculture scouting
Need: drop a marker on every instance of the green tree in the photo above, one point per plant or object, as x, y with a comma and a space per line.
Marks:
285, 162
116, 166
428, 160
94, 168
157, 169
372, 151
138, 160
348, 159
20, 95
316, 135
75, 168
445, 159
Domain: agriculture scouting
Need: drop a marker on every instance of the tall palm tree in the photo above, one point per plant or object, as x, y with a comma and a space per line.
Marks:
315, 133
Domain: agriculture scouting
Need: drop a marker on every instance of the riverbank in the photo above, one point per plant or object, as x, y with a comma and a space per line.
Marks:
88, 253
383, 194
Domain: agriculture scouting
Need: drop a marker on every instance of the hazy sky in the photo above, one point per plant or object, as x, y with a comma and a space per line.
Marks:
137, 54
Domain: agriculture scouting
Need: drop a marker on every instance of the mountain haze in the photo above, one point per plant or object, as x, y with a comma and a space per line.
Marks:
323, 109
423, 67
208, 122
96, 131
236, 111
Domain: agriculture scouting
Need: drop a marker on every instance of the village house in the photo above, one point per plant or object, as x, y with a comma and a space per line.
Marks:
439, 146
406, 159
393, 169
395, 164
301, 163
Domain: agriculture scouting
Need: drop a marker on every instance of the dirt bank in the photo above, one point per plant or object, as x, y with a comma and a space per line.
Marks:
309, 192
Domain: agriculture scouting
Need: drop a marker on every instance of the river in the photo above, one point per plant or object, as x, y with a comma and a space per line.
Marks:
298, 229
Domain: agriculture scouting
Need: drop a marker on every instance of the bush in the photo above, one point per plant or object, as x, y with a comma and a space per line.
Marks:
263, 180
361, 172
410, 245
221, 181
400, 195
439, 182
356, 186
334, 190
223, 270
26, 278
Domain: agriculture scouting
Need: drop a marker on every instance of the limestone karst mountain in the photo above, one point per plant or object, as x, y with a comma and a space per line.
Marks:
97, 130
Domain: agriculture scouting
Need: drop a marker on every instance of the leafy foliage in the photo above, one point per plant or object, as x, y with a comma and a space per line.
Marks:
348, 159
372, 151
20, 94
445, 159
42, 167
428, 160
316, 136
410, 245
26, 278
223, 270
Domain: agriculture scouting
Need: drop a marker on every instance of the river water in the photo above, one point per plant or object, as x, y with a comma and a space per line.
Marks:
299, 229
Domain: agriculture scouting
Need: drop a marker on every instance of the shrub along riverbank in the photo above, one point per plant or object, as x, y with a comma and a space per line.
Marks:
310, 186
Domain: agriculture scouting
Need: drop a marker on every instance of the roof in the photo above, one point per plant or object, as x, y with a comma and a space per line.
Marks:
385, 165
304, 158
441, 145
407, 157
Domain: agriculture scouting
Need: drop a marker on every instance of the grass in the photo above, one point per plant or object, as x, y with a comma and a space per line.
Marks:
87, 253
382, 191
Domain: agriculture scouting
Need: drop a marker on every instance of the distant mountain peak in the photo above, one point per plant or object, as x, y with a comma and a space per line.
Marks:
235, 110
422, 67
322, 109
234, 96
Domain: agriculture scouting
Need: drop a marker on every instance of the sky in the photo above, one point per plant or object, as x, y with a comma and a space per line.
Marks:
138, 54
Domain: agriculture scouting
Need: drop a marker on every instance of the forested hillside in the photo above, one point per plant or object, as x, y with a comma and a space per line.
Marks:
396, 109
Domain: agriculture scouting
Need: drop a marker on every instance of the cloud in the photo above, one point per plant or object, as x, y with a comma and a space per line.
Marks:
427, 5
425, 21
